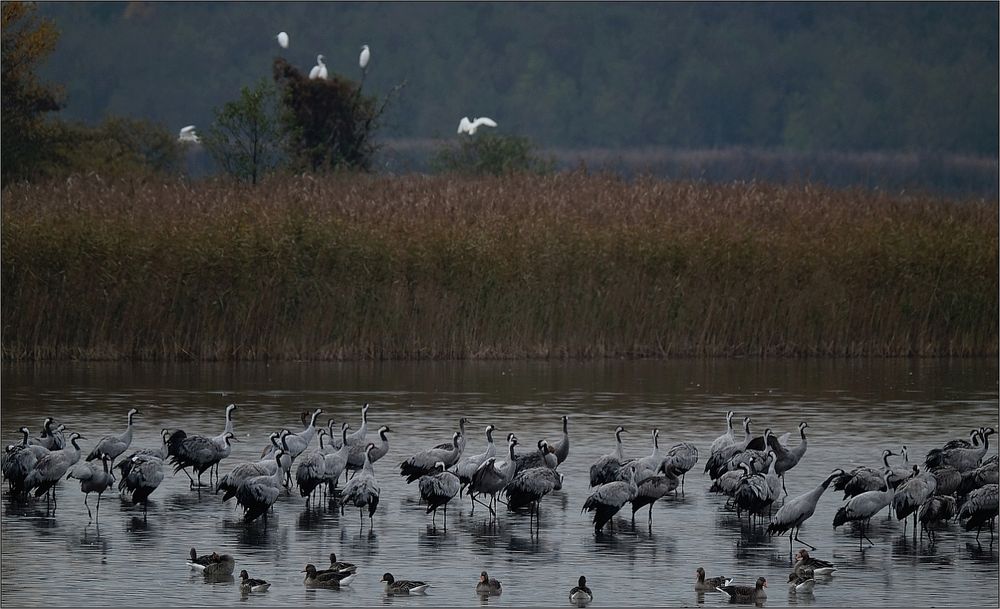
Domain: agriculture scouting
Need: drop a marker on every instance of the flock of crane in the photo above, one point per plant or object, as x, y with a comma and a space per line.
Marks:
956, 480
187, 135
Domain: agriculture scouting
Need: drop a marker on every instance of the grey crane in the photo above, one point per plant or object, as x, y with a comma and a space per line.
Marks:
356, 457
113, 445
18, 462
979, 508
647, 466
796, 511
948, 479
335, 463
726, 439
752, 493
161, 452
972, 442
863, 479
423, 463
681, 458
911, 494
979, 477
220, 440
493, 477
609, 498
900, 473
560, 448
938, 508
718, 462
363, 489
542, 457
46, 440
50, 468
311, 470
141, 475
297, 443
528, 487
437, 489
787, 458
757, 458
606, 468
257, 494
653, 488
358, 437
962, 459
265, 467
861, 508
468, 464
461, 440
52, 436
727, 482
93, 480
197, 452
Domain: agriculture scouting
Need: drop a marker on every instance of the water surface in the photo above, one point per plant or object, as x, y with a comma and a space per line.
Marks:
854, 410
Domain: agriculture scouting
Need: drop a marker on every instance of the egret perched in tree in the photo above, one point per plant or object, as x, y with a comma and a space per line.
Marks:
319, 70
187, 134
282, 39
365, 56
467, 126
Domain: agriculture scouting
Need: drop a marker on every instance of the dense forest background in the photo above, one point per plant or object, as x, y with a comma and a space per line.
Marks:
852, 77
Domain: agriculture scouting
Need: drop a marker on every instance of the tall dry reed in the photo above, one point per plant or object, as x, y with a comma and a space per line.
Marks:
568, 265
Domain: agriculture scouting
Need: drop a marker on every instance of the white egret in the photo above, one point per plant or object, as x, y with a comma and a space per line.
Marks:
282, 39
187, 135
467, 126
365, 56
319, 70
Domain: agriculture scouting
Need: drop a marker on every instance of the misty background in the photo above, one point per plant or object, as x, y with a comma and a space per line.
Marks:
609, 83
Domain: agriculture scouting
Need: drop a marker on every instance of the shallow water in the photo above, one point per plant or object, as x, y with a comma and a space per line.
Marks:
854, 410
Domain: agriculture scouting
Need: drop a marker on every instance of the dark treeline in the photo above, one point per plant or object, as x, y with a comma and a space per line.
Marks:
857, 77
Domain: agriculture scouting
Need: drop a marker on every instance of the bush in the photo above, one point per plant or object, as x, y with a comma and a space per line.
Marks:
118, 147
247, 138
491, 154
330, 123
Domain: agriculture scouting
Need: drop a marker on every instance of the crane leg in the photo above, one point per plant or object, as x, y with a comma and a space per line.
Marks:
446, 517
650, 514
91, 516
783, 485
811, 547
99, 505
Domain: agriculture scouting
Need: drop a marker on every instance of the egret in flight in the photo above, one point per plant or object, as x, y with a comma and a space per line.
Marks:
467, 126
282, 39
188, 135
319, 70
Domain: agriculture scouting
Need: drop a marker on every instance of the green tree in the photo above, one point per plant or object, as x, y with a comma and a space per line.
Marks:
118, 147
247, 138
26, 41
491, 154
330, 123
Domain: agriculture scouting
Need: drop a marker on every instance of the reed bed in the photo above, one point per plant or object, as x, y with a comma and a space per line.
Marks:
566, 265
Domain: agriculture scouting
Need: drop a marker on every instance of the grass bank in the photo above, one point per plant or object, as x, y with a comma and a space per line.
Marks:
558, 266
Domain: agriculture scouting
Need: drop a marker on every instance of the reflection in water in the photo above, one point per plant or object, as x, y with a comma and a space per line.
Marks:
853, 409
